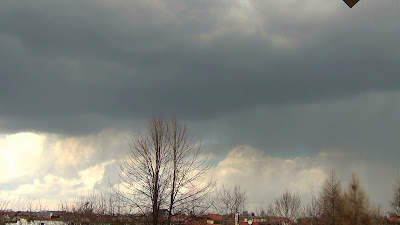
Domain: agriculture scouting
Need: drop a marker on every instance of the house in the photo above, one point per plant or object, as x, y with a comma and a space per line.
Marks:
394, 218
23, 221
196, 220
214, 219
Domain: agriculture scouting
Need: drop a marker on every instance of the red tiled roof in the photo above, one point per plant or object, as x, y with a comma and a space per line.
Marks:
195, 222
214, 217
395, 218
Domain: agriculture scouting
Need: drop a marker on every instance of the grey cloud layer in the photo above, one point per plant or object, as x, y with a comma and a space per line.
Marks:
81, 66
366, 124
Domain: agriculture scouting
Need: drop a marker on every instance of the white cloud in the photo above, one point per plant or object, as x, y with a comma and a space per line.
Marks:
70, 152
94, 174
28, 155
52, 167
53, 189
266, 177
21, 155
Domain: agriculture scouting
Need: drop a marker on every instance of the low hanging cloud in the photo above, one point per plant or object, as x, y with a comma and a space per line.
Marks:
21, 156
60, 188
54, 167
265, 177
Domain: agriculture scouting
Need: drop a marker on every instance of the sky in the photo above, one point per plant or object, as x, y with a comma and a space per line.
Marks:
280, 92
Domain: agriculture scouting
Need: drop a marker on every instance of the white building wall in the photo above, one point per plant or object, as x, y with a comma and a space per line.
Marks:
38, 222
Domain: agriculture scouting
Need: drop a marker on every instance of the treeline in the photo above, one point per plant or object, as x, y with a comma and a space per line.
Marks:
333, 205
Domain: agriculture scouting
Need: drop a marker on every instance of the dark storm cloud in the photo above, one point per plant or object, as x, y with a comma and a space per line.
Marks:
367, 125
81, 66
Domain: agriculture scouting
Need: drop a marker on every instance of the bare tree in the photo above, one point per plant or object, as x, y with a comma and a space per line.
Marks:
266, 212
356, 203
165, 167
377, 215
288, 206
6, 204
114, 203
230, 200
188, 165
197, 207
145, 170
82, 209
95, 206
330, 201
395, 203
33, 205
261, 210
311, 211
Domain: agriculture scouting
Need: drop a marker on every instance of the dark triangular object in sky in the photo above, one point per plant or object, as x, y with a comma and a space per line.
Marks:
351, 3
